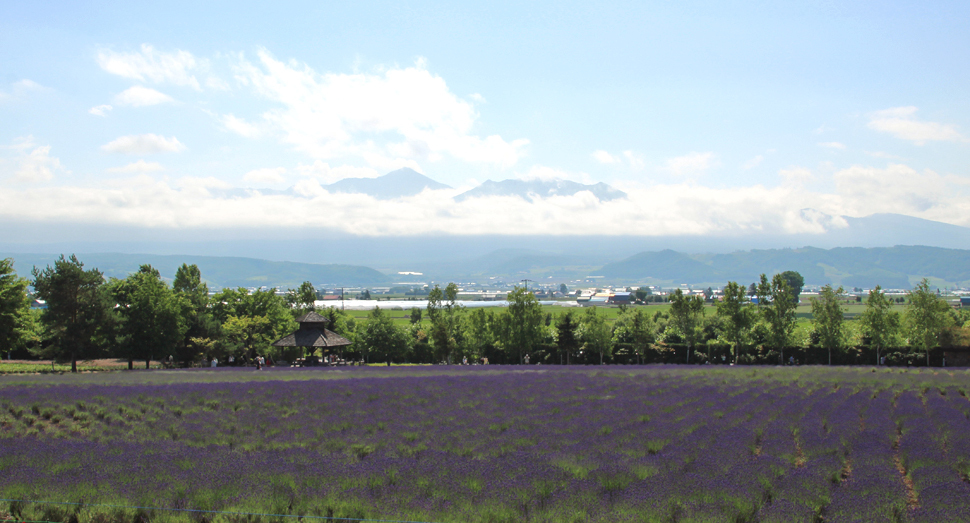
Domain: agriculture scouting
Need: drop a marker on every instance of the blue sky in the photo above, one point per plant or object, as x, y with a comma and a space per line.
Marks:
715, 117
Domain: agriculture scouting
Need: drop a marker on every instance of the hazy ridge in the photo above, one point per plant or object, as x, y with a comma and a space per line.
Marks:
891, 267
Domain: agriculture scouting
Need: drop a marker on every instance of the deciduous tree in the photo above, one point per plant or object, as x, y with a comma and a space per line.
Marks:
479, 332
443, 313
795, 283
595, 334
524, 329
382, 338
739, 316
201, 328
880, 324
306, 296
828, 319
926, 317
254, 319
153, 323
636, 328
777, 304
685, 315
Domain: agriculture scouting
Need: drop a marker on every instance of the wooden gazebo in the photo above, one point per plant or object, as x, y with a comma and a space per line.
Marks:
313, 334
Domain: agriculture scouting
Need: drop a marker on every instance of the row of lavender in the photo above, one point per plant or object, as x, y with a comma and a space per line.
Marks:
557, 444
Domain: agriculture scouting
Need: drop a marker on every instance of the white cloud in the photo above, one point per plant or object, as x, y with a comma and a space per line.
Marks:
100, 110
881, 154
602, 156
138, 96
635, 160
240, 126
155, 66
690, 163
901, 122
31, 162
21, 88
141, 166
216, 84
266, 175
38, 166
897, 188
754, 162
675, 209
143, 144
832, 145
795, 175
28, 84
400, 114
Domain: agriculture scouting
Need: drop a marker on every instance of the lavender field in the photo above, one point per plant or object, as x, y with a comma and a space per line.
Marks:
491, 444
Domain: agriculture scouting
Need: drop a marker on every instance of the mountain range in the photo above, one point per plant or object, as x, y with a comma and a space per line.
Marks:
408, 182
217, 271
396, 184
530, 189
897, 267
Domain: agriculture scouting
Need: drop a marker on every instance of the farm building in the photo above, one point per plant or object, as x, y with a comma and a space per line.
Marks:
622, 298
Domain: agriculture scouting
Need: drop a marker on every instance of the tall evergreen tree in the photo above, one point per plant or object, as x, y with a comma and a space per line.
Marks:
76, 309
14, 307
566, 336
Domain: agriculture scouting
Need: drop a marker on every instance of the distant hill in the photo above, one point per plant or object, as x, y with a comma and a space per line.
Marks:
665, 265
528, 189
395, 184
217, 271
516, 264
892, 267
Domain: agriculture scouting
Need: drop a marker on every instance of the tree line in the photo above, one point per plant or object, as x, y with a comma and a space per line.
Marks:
143, 318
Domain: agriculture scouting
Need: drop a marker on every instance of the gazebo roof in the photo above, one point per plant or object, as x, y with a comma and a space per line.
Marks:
312, 317
312, 338
312, 333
